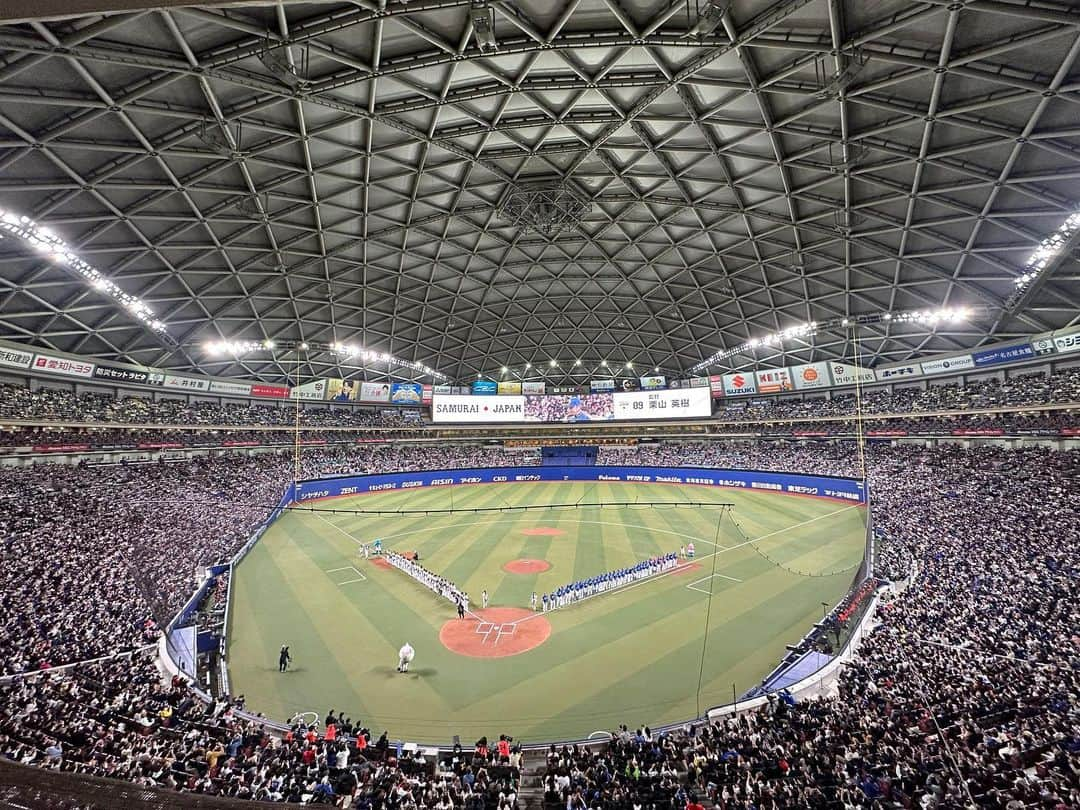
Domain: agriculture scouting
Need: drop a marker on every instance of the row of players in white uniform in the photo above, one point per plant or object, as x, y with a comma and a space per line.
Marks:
431, 581
560, 597
592, 586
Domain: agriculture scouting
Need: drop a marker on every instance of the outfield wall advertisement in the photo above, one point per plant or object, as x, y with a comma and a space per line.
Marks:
844, 489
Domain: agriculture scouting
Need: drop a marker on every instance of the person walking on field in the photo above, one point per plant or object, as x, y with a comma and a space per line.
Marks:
484, 597
283, 659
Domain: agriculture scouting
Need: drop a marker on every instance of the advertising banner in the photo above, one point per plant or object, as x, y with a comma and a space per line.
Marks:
627, 385
186, 383
442, 389
679, 404
236, 389
896, 372
341, 390
373, 392
1003, 354
716, 385
485, 387
115, 374
810, 376
14, 358
1043, 344
509, 388
425, 399
978, 432
772, 380
1067, 343
738, 383
571, 408
652, 383
846, 374
561, 389
699, 382
311, 390
270, 391
843, 489
601, 385
60, 365
457, 408
406, 393
944, 366
535, 388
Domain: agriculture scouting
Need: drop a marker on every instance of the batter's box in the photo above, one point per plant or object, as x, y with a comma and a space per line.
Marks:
490, 629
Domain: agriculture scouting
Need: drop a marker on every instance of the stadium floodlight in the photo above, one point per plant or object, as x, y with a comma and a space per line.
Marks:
1048, 250
630, 366
603, 363
709, 19
54, 249
528, 366
930, 317
345, 350
482, 17
656, 370
553, 363
577, 362
505, 369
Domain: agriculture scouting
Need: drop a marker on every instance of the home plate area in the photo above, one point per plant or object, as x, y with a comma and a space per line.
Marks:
495, 632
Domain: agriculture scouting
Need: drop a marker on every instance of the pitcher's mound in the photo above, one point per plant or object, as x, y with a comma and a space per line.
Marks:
543, 531
499, 632
526, 566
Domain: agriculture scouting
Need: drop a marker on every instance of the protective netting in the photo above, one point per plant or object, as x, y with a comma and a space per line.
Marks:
757, 548
550, 507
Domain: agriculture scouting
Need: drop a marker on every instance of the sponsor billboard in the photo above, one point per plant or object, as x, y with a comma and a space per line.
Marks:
373, 392
485, 387
61, 365
509, 388
698, 382
236, 389
442, 389
896, 372
425, 399
772, 380
14, 358
570, 408
601, 385
534, 388
468, 408
678, 404
842, 489
406, 393
716, 385
809, 376
627, 385
312, 390
341, 390
562, 389
116, 374
947, 364
1003, 354
186, 383
271, 391
1068, 343
1044, 344
739, 383
652, 383
846, 374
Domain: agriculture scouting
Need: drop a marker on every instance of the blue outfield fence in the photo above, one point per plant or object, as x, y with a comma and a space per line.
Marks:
842, 489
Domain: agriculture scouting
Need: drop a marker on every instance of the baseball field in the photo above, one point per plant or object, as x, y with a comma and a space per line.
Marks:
652, 652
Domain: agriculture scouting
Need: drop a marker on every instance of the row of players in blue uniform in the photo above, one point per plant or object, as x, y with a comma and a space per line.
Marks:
583, 589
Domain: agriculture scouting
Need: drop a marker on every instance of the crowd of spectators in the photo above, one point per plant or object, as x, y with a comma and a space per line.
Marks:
56, 405
965, 693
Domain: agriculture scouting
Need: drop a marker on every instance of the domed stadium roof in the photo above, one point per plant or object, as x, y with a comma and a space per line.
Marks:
472, 185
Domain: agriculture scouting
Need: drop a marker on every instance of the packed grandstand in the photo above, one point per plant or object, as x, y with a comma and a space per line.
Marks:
283, 284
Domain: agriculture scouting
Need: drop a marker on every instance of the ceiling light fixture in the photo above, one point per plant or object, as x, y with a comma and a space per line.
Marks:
709, 19
347, 351
1047, 250
482, 17
54, 249
930, 317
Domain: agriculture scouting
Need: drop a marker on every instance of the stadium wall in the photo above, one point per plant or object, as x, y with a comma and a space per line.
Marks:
816, 486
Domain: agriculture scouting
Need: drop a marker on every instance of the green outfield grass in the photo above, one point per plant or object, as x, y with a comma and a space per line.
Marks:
631, 656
